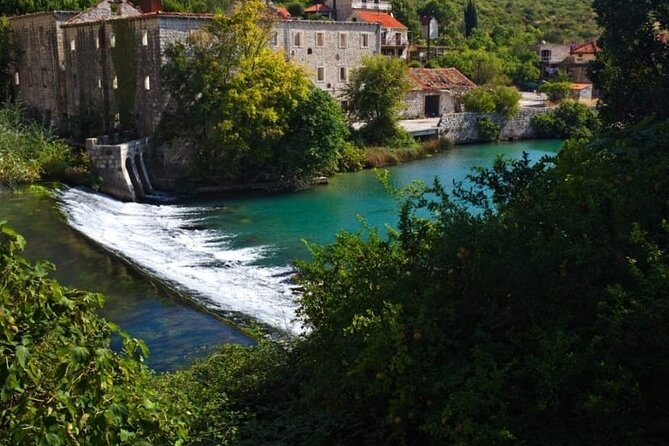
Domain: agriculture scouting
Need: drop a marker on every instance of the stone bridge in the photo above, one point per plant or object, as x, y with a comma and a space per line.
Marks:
121, 166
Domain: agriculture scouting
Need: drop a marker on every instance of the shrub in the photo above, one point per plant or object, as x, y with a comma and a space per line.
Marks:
556, 91
351, 158
414, 64
569, 120
479, 100
488, 129
506, 101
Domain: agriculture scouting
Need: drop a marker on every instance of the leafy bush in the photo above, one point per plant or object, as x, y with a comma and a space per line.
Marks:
351, 158
28, 151
569, 120
507, 101
488, 129
556, 91
478, 100
59, 381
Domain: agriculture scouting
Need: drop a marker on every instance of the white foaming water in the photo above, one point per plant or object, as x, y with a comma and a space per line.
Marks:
161, 240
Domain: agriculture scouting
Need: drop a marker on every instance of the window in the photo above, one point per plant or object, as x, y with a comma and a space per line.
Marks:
17, 79
320, 74
112, 41
343, 40
115, 83
310, 51
343, 74
297, 39
364, 40
73, 45
145, 37
147, 83
398, 39
545, 55
320, 39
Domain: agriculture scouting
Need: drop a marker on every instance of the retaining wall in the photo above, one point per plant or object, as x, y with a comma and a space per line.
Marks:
463, 128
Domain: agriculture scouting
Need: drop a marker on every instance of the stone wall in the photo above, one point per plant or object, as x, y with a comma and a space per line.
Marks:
335, 60
38, 76
121, 167
463, 128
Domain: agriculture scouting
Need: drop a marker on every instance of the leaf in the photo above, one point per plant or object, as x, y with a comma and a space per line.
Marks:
22, 355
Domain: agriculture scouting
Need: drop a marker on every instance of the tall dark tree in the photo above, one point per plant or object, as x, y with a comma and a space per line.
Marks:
471, 18
632, 71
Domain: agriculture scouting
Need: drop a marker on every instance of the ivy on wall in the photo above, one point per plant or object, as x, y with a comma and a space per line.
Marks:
124, 59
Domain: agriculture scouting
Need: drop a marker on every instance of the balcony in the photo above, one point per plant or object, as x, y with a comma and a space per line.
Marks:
373, 5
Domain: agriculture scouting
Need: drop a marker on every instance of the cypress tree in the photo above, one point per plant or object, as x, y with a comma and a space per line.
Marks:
471, 18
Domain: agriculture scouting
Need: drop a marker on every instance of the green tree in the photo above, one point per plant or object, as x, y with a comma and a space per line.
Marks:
507, 100
405, 12
375, 96
317, 136
557, 91
633, 68
471, 18
478, 100
481, 66
232, 94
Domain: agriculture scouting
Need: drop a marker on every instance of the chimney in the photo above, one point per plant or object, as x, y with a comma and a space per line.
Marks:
148, 6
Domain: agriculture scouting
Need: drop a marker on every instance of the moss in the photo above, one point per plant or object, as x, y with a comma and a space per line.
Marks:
124, 57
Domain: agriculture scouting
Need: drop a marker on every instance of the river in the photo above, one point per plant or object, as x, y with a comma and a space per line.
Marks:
230, 255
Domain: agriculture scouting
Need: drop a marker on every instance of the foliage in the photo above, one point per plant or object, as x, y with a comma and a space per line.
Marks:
375, 96
569, 120
501, 99
197, 6
6, 57
633, 69
479, 65
28, 151
296, 9
498, 327
507, 101
488, 129
478, 100
471, 18
557, 91
60, 382
240, 101
351, 158
17, 7
318, 132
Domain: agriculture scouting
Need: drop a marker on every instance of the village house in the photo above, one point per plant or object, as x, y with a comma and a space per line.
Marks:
578, 61
435, 92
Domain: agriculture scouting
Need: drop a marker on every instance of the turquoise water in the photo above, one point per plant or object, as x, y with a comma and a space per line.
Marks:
231, 255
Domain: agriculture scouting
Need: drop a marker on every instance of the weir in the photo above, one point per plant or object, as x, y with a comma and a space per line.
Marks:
121, 166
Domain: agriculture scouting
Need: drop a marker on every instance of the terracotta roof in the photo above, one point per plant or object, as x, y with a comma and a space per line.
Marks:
574, 86
434, 79
586, 48
385, 20
283, 12
319, 7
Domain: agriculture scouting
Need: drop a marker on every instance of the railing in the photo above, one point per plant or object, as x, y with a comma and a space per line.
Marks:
373, 5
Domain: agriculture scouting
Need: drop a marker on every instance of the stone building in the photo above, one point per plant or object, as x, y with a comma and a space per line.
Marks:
98, 71
38, 75
435, 92
113, 70
328, 50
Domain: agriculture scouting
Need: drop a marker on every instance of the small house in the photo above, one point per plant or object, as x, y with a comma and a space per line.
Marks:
435, 92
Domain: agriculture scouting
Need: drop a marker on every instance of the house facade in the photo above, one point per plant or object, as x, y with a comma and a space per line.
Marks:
435, 92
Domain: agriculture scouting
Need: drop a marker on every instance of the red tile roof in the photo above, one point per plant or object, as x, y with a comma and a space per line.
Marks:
319, 7
434, 79
283, 12
586, 48
385, 20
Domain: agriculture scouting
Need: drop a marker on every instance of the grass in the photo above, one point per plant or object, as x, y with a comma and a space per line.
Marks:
382, 156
